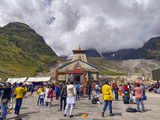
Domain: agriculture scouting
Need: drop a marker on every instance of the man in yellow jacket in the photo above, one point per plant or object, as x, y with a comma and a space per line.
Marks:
19, 92
107, 96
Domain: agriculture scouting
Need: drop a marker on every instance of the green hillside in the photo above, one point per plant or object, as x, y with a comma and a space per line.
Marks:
23, 52
106, 67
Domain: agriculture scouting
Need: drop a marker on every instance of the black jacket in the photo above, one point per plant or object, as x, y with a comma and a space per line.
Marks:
63, 92
6, 92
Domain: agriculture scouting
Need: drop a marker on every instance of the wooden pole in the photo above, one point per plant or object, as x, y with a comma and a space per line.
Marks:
84, 84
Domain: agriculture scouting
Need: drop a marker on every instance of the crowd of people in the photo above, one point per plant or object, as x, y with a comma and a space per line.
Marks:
154, 87
70, 92
8, 92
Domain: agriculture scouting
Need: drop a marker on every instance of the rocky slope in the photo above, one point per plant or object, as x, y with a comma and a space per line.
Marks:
123, 67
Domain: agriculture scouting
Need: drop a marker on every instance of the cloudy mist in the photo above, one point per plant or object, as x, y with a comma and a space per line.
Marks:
106, 25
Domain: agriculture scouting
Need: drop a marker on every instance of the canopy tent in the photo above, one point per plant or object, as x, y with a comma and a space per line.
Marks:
39, 79
17, 80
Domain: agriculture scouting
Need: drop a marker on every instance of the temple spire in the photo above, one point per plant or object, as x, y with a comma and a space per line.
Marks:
79, 47
79, 54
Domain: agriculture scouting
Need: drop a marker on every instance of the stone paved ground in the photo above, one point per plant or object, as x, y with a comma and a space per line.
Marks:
32, 112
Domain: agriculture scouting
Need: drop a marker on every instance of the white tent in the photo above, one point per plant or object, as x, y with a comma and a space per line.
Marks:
17, 80
39, 79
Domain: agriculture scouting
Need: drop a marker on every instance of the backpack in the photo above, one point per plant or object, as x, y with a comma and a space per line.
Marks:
131, 110
144, 97
94, 101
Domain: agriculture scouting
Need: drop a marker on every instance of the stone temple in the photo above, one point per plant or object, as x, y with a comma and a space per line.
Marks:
79, 70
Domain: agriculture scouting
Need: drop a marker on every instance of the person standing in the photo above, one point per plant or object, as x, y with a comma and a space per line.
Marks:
144, 92
116, 92
5, 98
63, 97
50, 95
89, 90
71, 93
107, 96
38, 93
19, 92
97, 88
139, 97
42, 95
32, 89
78, 91
57, 91
46, 99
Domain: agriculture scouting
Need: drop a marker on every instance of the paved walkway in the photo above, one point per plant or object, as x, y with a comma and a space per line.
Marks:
32, 112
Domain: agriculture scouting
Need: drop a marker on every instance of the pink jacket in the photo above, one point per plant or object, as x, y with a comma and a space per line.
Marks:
138, 92
50, 93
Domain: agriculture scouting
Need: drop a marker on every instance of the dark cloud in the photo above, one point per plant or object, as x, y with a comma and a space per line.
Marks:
105, 25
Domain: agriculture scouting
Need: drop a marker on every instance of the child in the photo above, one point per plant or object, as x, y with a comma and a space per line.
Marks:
42, 95
46, 99
95, 97
126, 98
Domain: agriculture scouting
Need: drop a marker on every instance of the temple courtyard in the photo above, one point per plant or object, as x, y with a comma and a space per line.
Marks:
84, 110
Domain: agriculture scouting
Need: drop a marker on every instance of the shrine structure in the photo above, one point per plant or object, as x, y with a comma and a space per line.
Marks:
79, 70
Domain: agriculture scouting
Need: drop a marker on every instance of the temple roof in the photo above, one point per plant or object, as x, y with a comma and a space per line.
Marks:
68, 63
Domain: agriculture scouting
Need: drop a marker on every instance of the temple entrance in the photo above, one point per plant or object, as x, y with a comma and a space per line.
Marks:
77, 78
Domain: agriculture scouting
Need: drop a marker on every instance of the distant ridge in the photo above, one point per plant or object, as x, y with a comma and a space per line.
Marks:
150, 50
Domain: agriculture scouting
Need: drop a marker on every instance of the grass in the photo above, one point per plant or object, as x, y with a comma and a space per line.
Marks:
105, 66
23, 52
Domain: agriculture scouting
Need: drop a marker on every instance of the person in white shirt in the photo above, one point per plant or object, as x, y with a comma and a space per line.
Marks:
71, 94
46, 98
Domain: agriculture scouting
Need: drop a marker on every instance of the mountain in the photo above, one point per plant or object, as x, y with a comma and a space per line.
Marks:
92, 53
23, 52
125, 54
150, 50
125, 67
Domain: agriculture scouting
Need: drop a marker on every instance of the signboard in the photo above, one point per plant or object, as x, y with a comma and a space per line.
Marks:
76, 69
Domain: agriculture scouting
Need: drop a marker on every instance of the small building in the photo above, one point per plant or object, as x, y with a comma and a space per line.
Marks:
17, 80
78, 69
39, 79
156, 74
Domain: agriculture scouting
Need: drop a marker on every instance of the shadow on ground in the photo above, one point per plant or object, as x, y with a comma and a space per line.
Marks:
23, 115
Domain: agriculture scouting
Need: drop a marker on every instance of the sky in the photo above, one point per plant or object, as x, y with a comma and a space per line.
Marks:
105, 25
